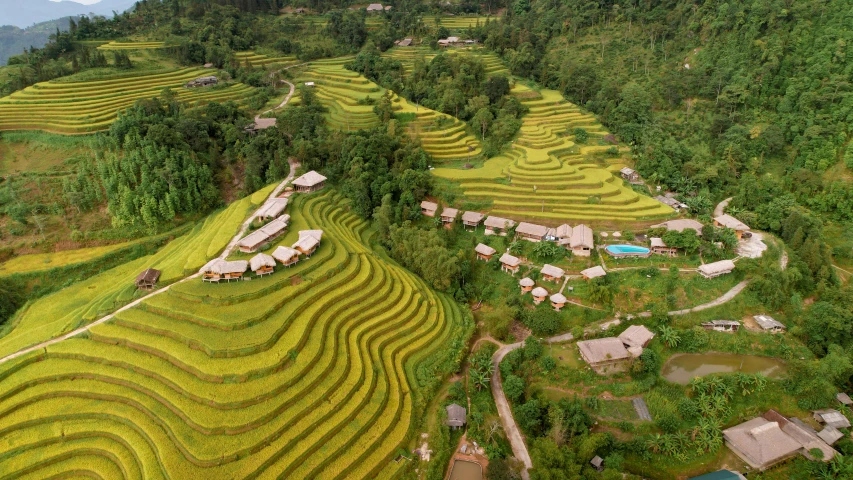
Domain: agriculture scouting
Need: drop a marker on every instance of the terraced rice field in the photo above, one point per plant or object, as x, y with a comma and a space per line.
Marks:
45, 261
546, 176
458, 22
408, 55
273, 378
90, 106
113, 45
259, 60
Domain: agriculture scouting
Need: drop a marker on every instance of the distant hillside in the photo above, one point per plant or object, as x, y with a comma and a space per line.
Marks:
14, 40
23, 14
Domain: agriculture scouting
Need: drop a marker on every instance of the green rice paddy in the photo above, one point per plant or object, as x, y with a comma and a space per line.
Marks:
260, 60
113, 45
306, 373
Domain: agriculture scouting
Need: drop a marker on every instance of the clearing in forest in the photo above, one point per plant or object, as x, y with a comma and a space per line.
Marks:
317, 378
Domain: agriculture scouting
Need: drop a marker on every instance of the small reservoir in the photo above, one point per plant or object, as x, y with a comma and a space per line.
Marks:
627, 251
465, 470
682, 368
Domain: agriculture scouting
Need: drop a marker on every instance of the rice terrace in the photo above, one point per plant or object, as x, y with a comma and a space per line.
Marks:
426, 241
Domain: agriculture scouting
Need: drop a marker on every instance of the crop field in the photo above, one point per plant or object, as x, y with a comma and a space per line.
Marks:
546, 175
113, 45
259, 60
312, 372
408, 55
89, 106
457, 22
44, 261
86, 301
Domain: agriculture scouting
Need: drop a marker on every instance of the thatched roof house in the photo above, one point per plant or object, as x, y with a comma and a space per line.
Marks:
843, 398
308, 241
563, 231
472, 219
260, 237
484, 252
509, 263
658, 247
680, 225
448, 215
581, 242
531, 231
539, 295
428, 208
831, 417
498, 225
286, 255
715, 269
272, 209
558, 301
604, 355
456, 416
526, 284
552, 273
729, 221
593, 272
375, 7
219, 269
309, 182
262, 264
147, 279
636, 336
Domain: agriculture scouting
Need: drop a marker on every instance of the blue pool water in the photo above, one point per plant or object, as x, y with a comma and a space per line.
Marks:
627, 250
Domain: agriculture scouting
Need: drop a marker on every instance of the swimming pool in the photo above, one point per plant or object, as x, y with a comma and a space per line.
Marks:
627, 251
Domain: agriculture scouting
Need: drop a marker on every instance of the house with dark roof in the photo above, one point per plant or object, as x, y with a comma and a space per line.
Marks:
456, 416
147, 279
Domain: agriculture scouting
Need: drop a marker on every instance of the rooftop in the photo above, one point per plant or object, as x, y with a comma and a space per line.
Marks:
680, 225
767, 322
508, 259
731, 222
498, 222
594, 272
472, 217
636, 336
717, 267
559, 298
261, 260
449, 212
581, 237
526, 282
309, 179
484, 249
603, 349
539, 292
149, 275
552, 271
284, 254
273, 208
430, 206
531, 229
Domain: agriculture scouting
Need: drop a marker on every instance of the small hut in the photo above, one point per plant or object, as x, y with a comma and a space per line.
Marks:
456, 416
472, 219
558, 301
728, 221
498, 225
308, 241
286, 255
484, 252
539, 295
271, 209
597, 463
428, 208
448, 215
219, 269
309, 182
526, 284
147, 279
636, 336
660, 248
769, 324
729, 326
831, 417
715, 269
629, 174
262, 264
593, 272
551, 273
510, 263
531, 231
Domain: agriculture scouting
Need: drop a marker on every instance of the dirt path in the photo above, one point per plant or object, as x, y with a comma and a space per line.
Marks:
283, 103
516, 440
724, 298
228, 249
721, 207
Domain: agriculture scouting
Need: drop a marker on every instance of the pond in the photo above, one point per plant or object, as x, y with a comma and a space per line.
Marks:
465, 470
683, 368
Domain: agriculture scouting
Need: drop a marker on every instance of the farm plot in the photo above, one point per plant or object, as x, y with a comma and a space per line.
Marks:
458, 22
408, 55
307, 373
89, 106
260, 60
113, 45
546, 175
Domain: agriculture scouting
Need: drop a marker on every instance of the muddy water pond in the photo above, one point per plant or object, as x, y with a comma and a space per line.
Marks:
465, 470
682, 368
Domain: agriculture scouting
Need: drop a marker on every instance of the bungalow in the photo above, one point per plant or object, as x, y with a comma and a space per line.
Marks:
539, 295
147, 279
830, 434
428, 208
636, 336
308, 241
286, 255
558, 301
660, 248
262, 236
605, 355
769, 324
202, 82
219, 269
498, 225
551, 273
310, 182
374, 7
581, 242
711, 270
484, 252
531, 231
729, 221
526, 284
262, 264
729, 326
771, 439
593, 272
680, 225
563, 231
629, 174
509, 263
456, 416
271, 209
831, 417
448, 215
472, 219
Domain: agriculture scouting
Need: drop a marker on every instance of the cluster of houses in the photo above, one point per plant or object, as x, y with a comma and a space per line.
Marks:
377, 8
549, 273
766, 323
615, 354
455, 42
202, 82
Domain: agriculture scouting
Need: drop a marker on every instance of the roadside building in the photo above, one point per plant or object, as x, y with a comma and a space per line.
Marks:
658, 247
629, 174
286, 255
309, 182
509, 263
147, 279
729, 221
202, 82
262, 264
551, 273
539, 295
605, 355
558, 301
498, 225
593, 272
219, 269
472, 219
271, 209
680, 225
428, 208
832, 418
264, 235
484, 252
526, 284
636, 336
531, 231
769, 324
456, 416
448, 215
711, 270
722, 325
581, 242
